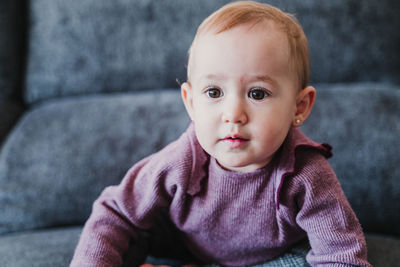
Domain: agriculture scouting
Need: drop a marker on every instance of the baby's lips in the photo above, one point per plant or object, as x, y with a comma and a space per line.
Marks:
235, 137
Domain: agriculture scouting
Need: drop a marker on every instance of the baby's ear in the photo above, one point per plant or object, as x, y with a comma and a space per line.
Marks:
304, 104
187, 97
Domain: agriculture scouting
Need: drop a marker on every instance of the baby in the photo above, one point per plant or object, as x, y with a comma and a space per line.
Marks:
242, 185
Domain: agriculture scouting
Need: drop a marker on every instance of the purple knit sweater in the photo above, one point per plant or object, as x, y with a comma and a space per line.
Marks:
230, 218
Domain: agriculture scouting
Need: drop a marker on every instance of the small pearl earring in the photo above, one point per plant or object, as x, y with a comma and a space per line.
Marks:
297, 121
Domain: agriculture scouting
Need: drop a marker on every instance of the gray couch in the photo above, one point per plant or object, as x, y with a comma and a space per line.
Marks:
87, 88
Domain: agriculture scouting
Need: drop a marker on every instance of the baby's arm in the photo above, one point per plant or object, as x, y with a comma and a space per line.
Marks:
335, 235
116, 215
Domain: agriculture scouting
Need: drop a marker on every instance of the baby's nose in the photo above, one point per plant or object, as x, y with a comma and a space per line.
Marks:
234, 112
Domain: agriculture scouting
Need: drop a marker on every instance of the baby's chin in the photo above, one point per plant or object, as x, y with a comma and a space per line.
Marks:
237, 165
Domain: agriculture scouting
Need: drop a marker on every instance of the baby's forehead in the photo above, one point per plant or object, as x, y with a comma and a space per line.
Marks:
265, 29
266, 36
258, 50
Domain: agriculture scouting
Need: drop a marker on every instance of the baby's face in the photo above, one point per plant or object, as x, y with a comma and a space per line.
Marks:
242, 94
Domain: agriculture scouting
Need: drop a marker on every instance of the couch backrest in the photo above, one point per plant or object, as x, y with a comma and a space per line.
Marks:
362, 123
92, 46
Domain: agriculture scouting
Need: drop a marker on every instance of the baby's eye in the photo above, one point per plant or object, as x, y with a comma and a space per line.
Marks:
213, 92
258, 94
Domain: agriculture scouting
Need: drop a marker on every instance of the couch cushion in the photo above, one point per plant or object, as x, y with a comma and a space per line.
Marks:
55, 248
362, 122
62, 154
79, 47
11, 47
44, 248
383, 250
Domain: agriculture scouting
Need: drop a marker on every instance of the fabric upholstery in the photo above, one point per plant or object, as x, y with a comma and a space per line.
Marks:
63, 153
41, 248
55, 247
11, 37
92, 46
362, 123
383, 250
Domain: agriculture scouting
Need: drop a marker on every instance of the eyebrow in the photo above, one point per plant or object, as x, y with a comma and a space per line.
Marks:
221, 77
217, 77
265, 78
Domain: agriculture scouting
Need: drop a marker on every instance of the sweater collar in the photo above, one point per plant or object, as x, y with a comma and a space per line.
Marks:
294, 142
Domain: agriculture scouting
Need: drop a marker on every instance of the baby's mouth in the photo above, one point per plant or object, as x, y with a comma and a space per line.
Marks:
235, 138
235, 141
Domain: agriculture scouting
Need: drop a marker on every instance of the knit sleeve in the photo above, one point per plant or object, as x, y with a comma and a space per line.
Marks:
335, 235
120, 211
116, 215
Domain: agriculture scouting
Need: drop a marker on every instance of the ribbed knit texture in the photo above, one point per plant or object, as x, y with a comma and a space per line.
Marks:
226, 217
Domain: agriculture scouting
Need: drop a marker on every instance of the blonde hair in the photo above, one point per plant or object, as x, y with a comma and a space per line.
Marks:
243, 12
